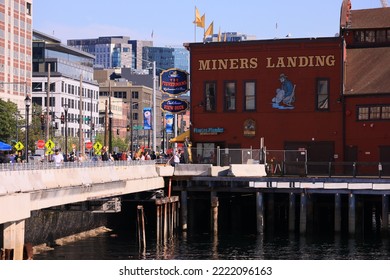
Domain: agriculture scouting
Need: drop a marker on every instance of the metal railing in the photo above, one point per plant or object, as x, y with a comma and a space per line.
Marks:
76, 164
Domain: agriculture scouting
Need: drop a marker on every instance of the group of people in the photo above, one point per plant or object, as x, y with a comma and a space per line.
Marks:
13, 157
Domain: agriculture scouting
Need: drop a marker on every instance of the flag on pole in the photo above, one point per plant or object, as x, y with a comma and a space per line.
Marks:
198, 19
202, 21
209, 30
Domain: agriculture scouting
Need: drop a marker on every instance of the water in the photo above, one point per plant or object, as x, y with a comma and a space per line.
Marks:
123, 246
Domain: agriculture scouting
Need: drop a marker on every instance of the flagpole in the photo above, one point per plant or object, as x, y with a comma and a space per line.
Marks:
195, 25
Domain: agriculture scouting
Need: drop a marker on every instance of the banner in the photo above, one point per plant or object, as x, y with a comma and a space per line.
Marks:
147, 112
169, 123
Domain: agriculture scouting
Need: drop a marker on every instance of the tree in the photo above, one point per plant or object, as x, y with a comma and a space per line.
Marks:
9, 121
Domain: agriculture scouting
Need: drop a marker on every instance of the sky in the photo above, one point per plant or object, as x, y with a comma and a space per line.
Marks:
170, 23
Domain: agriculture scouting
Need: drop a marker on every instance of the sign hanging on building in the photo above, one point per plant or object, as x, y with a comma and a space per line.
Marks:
174, 105
174, 81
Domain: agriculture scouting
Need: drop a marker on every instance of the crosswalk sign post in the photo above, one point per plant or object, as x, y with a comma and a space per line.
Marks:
19, 146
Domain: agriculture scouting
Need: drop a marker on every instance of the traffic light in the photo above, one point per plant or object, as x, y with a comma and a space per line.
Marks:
117, 131
92, 126
62, 118
128, 127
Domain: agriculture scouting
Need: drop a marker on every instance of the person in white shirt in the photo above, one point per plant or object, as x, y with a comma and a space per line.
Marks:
176, 158
58, 158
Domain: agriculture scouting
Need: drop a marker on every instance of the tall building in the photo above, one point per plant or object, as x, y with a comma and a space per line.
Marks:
109, 52
15, 50
166, 57
70, 74
137, 47
113, 51
133, 97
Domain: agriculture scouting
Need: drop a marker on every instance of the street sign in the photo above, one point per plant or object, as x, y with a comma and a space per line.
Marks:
88, 145
40, 144
97, 146
19, 146
138, 127
49, 144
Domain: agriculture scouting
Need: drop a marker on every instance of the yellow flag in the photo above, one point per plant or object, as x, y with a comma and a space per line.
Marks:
202, 21
209, 30
198, 19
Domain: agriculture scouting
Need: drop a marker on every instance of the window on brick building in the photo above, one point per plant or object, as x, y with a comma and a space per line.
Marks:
210, 96
322, 98
230, 96
250, 96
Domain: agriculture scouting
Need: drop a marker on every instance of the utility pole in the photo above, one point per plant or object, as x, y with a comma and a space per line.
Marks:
47, 104
154, 107
81, 140
106, 124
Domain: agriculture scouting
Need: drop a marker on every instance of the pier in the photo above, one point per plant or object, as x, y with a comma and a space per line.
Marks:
199, 197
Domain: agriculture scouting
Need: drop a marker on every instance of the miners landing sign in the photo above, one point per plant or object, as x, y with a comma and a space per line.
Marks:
174, 81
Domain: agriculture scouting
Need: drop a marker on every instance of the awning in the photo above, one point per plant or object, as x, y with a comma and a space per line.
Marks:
5, 146
180, 138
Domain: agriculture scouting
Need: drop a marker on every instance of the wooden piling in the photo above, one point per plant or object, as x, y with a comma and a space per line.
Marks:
291, 212
141, 228
166, 217
184, 210
165, 222
337, 212
259, 213
385, 214
214, 212
303, 214
158, 223
351, 214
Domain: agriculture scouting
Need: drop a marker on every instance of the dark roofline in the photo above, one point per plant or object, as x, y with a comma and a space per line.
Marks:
46, 37
265, 41
55, 44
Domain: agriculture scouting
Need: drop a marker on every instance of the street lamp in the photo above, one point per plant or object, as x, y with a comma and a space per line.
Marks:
66, 107
110, 115
131, 128
154, 107
154, 79
27, 102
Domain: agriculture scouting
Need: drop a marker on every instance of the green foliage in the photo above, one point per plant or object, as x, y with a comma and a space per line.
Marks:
8, 121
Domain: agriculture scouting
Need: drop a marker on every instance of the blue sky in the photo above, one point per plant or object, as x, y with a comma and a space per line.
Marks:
171, 21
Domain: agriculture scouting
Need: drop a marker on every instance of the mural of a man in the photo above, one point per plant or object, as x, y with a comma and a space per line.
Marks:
284, 94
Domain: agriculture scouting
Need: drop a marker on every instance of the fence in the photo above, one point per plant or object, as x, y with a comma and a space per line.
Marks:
288, 162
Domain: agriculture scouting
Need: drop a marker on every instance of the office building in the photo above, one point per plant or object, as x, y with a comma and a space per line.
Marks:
15, 50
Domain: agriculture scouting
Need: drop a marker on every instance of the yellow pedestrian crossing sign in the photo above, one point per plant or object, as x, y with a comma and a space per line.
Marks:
19, 146
49, 144
97, 146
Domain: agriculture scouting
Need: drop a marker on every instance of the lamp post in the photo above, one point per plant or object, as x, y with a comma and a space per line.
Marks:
66, 107
110, 115
154, 106
131, 128
27, 102
154, 79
